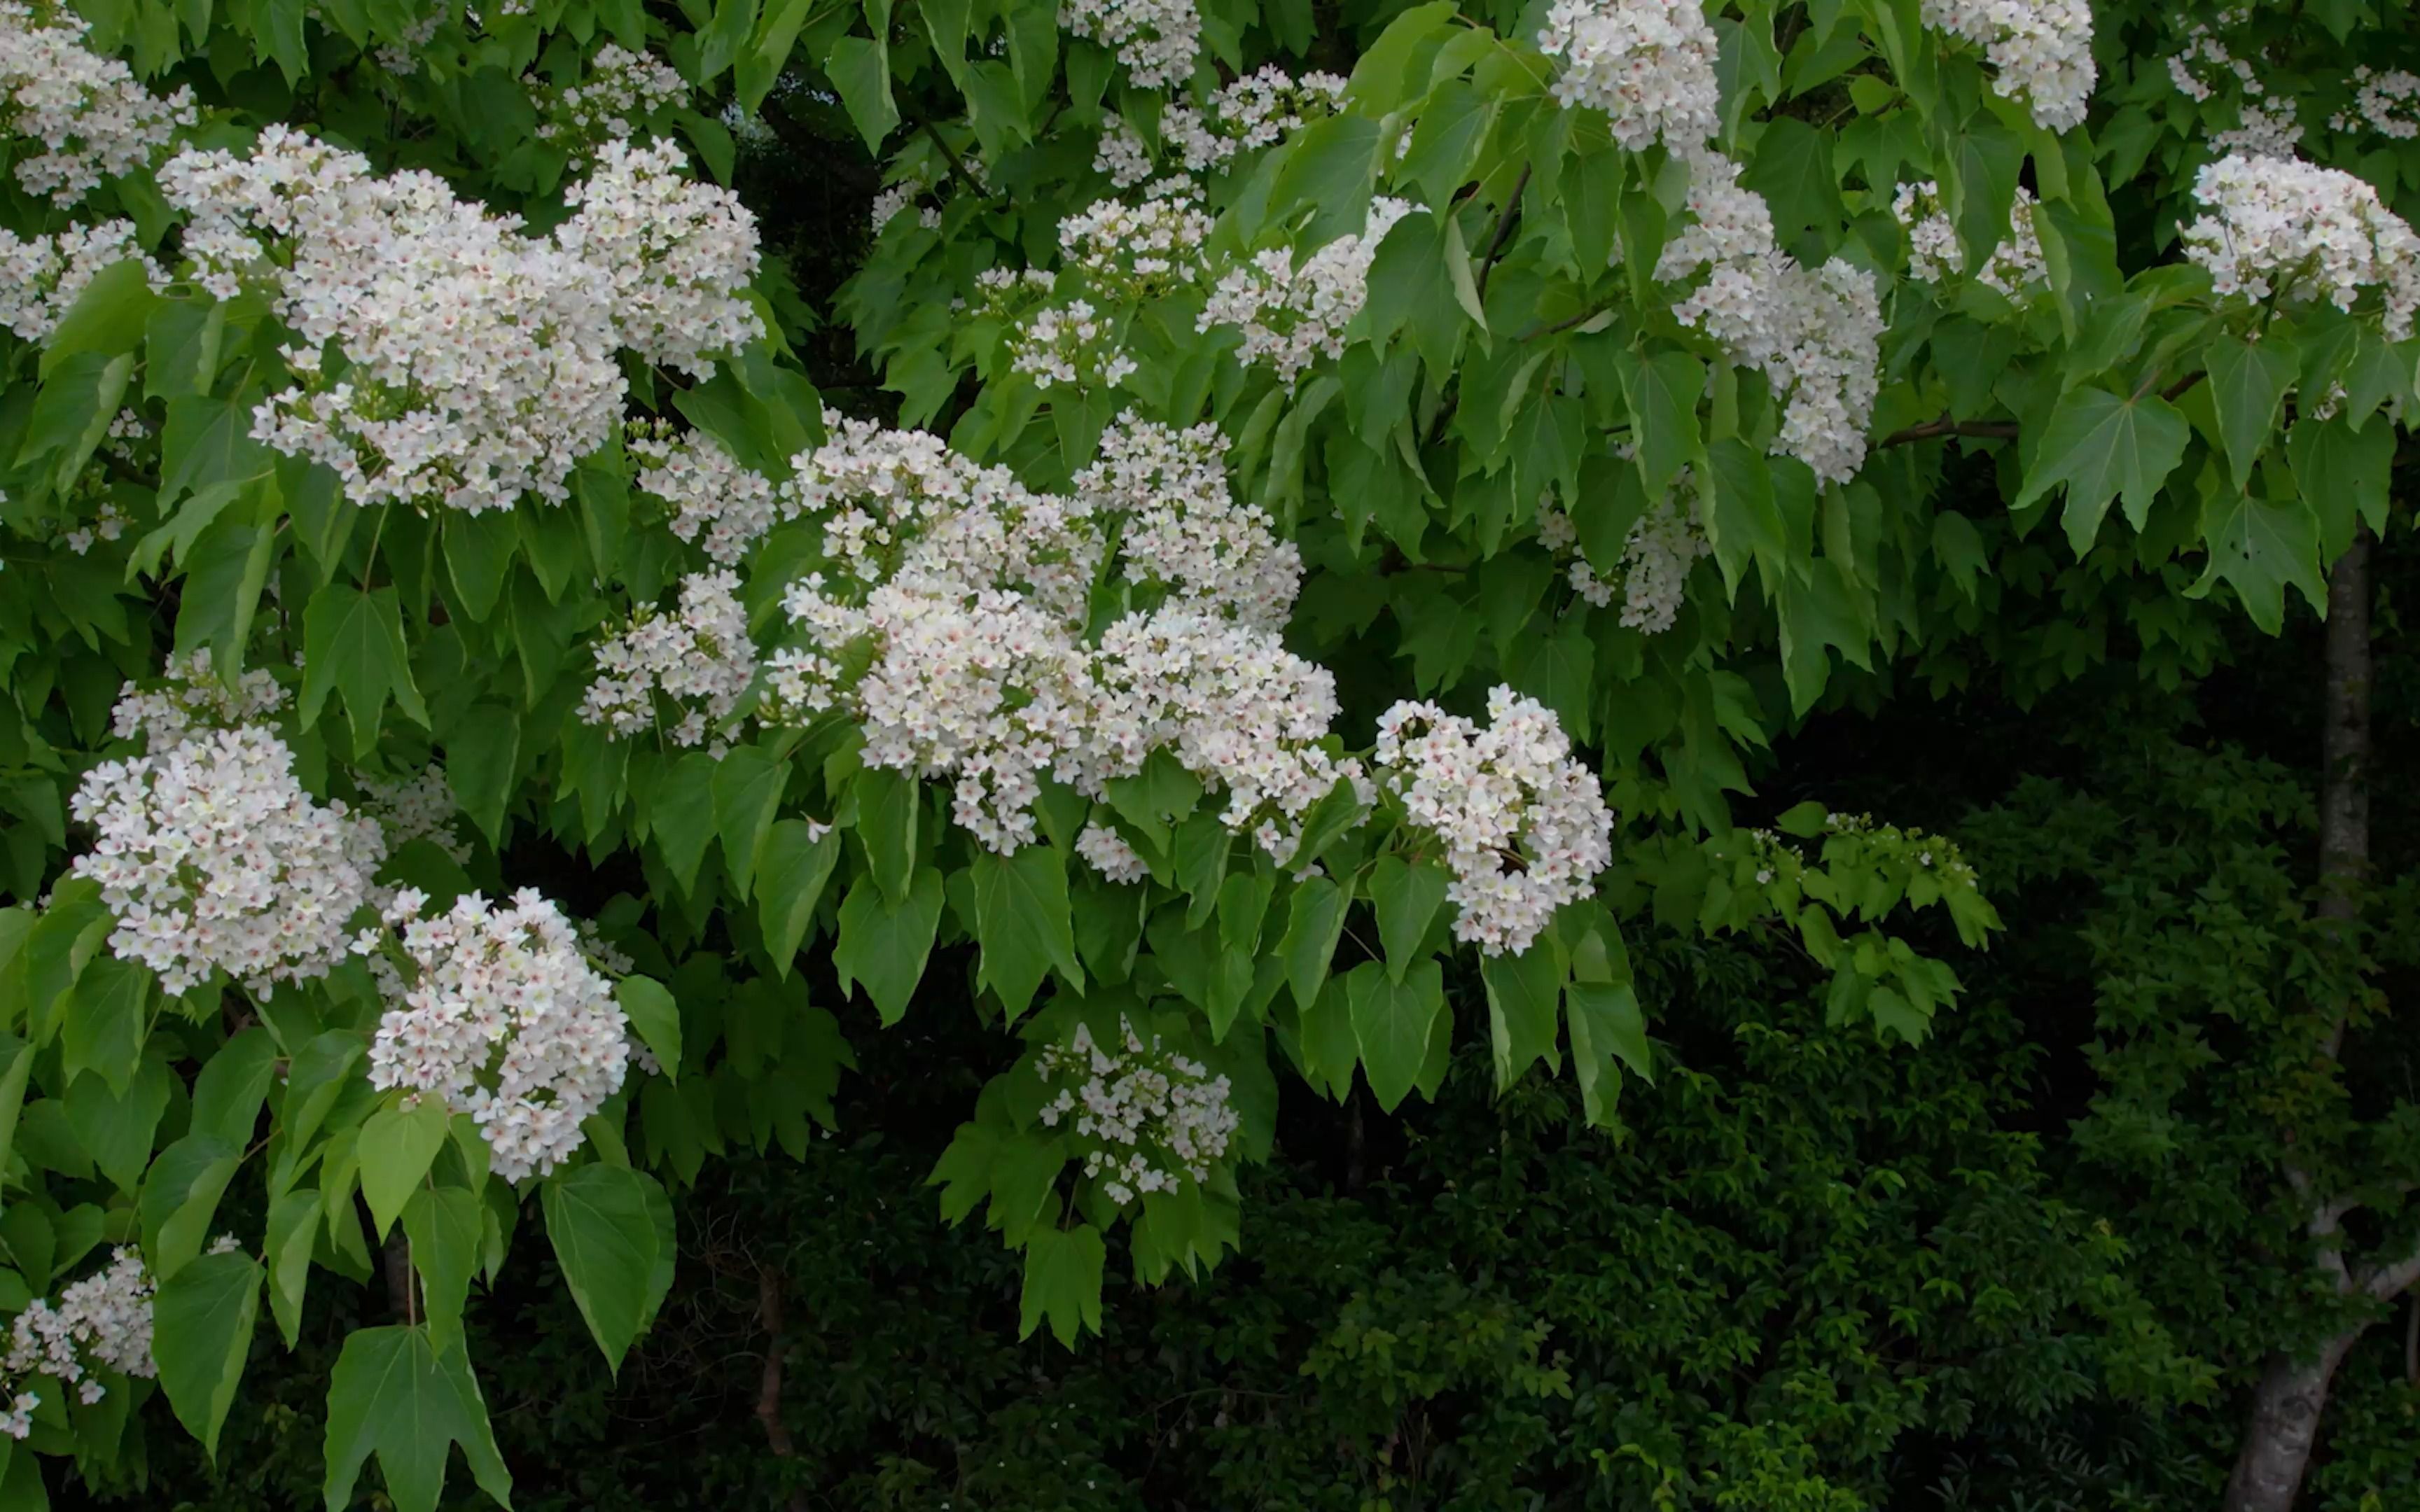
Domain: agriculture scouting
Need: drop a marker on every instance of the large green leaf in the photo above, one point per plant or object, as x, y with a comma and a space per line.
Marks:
1393, 1023
2342, 475
202, 1323
352, 643
790, 880
180, 1198
445, 1224
882, 945
603, 1228
233, 1084
1524, 993
1022, 922
888, 804
397, 1146
2099, 445
746, 791
1063, 1282
1606, 1026
2248, 380
2258, 547
1407, 896
116, 1130
395, 1396
107, 1014
1313, 930
861, 71
656, 1018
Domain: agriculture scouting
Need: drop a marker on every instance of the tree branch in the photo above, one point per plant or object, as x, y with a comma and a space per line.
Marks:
1998, 429
769, 1384
1503, 231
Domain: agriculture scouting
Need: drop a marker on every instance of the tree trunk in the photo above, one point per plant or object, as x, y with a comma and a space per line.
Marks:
2293, 1390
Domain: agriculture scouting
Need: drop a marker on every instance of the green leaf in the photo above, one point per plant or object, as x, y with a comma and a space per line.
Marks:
790, 883
479, 553
2248, 382
656, 1016
202, 1323
2099, 445
1062, 1282
1743, 522
2258, 547
882, 947
1329, 168
1559, 671
181, 354
223, 576
392, 1395
1407, 897
1524, 993
232, 1085
861, 71
1393, 1023
352, 643
1986, 158
444, 1224
1022, 922
1315, 925
181, 1197
293, 1225
108, 317
888, 804
1606, 1027
1793, 170
1452, 127
108, 1011
397, 1145
747, 790
2342, 475
482, 758
680, 816
603, 1228
116, 1130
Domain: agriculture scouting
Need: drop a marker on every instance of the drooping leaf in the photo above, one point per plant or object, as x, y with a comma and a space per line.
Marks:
1393, 1023
202, 1323
1022, 922
603, 1228
2099, 446
395, 1396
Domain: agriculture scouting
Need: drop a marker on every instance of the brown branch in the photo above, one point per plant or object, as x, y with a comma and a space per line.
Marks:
768, 1385
2000, 430
1504, 232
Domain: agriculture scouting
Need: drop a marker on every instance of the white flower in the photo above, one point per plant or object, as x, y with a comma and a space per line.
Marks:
211, 854
419, 807
1157, 41
2267, 125
1144, 1118
2386, 102
93, 120
1256, 111
619, 91
700, 659
1525, 827
724, 508
2041, 48
1122, 154
2015, 265
1106, 851
102, 1322
2276, 226
1648, 64
40, 276
499, 1011
677, 255
1293, 317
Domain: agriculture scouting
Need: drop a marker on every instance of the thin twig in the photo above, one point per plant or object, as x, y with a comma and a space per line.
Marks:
769, 1387
1504, 232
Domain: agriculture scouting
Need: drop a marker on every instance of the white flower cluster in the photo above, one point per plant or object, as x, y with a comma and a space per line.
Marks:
402, 57
499, 1011
1107, 852
108, 523
965, 599
2387, 103
1525, 827
1656, 556
2041, 48
1157, 41
1648, 64
478, 362
1122, 154
41, 275
621, 90
1817, 334
1155, 1119
101, 1322
699, 658
2266, 124
1071, 344
209, 852
676, 254
419, 807
1138, 252
1256, 111
95, 120
2015, 266
192, 696
1293, 317
2274, 226
889, 202
723, 506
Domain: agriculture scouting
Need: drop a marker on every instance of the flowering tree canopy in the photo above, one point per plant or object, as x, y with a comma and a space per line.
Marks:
1353, 499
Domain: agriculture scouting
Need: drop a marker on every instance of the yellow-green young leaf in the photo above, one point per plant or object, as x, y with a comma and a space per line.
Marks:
1062, 1282
394, 1395
1393, 1023
352, 643
1524, 993
202, 1323
656, 1018
1385, 74
181, 1197
2099, 446
1606, 1027
602, 1225
1022, 924
2248, 382
444, 1224
397, 1147
1407, 897
882, 947
790, 883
